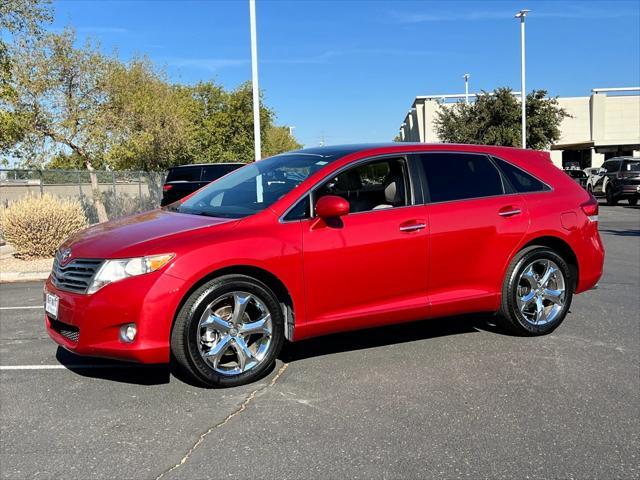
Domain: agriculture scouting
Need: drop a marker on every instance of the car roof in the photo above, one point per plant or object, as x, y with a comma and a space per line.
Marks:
341, 150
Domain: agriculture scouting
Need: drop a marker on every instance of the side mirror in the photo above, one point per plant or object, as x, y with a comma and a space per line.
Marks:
331, 206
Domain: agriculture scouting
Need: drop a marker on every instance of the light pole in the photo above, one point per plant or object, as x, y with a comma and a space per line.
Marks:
523, 91
466, 87
254, 80
291, 131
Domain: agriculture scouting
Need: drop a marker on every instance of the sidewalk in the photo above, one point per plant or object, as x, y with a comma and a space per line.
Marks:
16, 270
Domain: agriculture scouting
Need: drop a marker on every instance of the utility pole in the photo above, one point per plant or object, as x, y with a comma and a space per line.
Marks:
254, 81
523, 90
466, 87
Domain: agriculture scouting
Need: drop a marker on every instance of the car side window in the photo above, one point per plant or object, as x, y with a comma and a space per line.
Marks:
612, 167
214, 172
460, 176
184, 174
300, 211
520, 180
372, 186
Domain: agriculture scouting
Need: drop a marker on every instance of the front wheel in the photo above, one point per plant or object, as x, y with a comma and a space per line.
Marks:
633, 200
228, 332
537, 292
611, 199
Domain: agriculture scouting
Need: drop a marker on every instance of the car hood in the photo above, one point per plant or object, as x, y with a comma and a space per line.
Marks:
134, 235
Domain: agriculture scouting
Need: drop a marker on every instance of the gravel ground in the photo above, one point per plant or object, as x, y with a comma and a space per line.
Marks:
12, 264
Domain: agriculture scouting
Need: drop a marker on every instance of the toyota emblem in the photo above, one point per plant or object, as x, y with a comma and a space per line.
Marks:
65, 255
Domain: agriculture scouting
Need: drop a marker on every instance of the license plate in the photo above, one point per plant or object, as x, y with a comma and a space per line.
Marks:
51, 304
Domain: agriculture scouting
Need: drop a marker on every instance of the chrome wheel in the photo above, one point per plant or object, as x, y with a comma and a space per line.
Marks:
235, 333
541, 292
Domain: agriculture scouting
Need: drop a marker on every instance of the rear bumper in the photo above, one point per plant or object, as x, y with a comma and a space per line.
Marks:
629, 190
90, 324
590, 256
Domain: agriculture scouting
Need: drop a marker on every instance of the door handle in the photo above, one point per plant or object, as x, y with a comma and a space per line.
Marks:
509, 211
414, 227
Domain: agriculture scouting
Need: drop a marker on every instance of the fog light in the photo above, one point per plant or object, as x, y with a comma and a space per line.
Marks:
128, 332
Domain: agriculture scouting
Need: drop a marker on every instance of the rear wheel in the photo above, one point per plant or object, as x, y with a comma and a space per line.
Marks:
537, 292
611, 199
228, 332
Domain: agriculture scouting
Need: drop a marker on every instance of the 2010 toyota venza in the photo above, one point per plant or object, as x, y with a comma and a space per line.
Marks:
326, 240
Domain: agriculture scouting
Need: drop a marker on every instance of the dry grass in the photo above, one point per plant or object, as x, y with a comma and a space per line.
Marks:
36, 226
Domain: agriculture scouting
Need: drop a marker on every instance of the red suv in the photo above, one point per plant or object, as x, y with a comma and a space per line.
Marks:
325, 240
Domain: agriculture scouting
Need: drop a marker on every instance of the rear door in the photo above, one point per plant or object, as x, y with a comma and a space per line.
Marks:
475, 224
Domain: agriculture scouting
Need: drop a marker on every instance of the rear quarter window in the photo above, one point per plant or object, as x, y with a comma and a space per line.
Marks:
521, 181
631, 166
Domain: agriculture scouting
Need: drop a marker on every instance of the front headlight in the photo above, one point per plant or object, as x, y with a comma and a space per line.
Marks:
121, 268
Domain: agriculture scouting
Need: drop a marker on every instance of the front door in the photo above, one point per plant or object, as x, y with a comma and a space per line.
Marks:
368, 267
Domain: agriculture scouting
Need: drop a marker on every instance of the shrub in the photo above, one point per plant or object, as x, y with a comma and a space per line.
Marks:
36, 226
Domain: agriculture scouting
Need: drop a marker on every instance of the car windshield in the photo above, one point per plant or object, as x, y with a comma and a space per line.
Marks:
632, 166
253, 188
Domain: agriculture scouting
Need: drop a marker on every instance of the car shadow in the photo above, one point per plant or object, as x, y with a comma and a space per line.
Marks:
621, 233
389, 335
620, 204
150, 375
114, 370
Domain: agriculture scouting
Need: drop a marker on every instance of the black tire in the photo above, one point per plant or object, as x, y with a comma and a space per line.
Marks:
611, 199
633, 201
510, 315
185, 337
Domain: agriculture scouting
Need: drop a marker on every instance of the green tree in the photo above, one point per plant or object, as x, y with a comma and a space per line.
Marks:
278, 140
58, 98
20, 21
147, 120
496, 120
222, 126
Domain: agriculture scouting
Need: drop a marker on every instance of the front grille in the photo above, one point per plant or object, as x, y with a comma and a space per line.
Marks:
76, 276
67, 331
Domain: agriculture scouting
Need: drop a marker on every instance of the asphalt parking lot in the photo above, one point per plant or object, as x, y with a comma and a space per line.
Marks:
448, 398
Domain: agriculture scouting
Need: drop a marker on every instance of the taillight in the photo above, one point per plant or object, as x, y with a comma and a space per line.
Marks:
166, 188
590, 209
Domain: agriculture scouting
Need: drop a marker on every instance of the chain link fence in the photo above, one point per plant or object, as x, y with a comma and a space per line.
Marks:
122, 192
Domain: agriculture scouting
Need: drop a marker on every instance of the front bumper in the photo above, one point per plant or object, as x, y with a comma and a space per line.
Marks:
90, 324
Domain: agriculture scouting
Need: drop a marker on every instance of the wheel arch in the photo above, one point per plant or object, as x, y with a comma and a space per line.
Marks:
264, 276
562, 248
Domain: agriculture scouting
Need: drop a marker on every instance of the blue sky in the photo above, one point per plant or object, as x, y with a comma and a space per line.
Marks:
348, 71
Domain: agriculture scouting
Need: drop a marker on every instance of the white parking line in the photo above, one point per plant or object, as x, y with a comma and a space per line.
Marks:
63, 367
22, 308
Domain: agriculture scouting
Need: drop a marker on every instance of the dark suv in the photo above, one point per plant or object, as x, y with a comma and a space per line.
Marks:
186, 179
618, 178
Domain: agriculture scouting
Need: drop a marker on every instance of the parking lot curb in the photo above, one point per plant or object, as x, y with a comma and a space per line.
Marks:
14, 277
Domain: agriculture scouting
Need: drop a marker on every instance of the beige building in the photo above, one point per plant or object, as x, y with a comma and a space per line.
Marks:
603, 125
